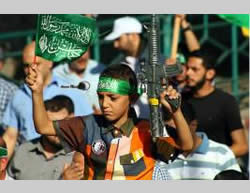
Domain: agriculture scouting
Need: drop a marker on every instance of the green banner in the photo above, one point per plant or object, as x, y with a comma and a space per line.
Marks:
241, 20
64, 37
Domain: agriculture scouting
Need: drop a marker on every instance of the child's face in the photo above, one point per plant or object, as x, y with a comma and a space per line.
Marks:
115, 107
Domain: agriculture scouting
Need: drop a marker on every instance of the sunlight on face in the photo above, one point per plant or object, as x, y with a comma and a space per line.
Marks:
195, 71
114, 106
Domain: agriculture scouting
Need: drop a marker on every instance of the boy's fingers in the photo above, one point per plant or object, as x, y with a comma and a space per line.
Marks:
29, 81
32, 76
173, 94
163, 94
170, 87
65, 166
80, 173
76, 167
33, 66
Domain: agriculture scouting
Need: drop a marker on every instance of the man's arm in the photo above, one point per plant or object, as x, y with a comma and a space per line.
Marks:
190, 38
239, 146
185, 139
10, 136
43, 124
234, 125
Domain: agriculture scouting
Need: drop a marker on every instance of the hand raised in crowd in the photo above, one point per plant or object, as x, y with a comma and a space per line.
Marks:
74, 171
168, 96
182, 16
184, 22
34, 79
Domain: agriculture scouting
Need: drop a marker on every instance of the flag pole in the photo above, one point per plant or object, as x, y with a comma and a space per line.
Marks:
175, 40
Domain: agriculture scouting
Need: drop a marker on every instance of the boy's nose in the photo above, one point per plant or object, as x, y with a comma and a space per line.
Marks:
104, 103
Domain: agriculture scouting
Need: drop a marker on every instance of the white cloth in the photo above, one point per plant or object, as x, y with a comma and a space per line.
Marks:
124, 25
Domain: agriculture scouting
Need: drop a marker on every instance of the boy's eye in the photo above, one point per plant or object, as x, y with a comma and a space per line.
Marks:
113, 98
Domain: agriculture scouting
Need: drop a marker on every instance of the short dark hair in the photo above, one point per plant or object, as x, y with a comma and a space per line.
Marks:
207, 59
230, 175
58, 103
121, 72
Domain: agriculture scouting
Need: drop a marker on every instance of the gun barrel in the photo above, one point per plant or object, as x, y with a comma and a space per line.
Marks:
154, 83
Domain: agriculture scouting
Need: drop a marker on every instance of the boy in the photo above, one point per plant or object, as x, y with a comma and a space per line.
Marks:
116, 145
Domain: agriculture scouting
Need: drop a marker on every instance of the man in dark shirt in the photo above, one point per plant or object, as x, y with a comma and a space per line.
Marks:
217, 111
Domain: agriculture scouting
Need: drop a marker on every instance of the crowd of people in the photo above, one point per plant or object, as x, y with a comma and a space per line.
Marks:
51, 131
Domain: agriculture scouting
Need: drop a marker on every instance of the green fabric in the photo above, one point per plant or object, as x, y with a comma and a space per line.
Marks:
3, 152
241, 20
64, 37
116, 86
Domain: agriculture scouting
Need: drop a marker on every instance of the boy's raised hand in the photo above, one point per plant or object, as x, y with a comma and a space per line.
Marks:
170, 99
34, 79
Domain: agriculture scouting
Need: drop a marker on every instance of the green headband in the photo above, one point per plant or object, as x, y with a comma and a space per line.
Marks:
122, 87
3, 152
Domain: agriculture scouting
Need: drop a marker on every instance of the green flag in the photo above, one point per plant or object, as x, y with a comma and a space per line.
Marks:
241, 20
64, 37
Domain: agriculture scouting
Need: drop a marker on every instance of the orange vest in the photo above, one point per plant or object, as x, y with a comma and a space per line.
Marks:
129, 158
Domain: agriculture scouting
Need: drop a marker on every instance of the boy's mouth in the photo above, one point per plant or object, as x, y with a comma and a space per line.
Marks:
107, 112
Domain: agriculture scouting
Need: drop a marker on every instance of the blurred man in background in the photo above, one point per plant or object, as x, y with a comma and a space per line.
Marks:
217, 112
7, 90
43, 158
18, 120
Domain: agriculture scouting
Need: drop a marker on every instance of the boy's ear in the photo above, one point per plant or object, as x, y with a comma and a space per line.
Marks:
4, 162
133, 98
210, 74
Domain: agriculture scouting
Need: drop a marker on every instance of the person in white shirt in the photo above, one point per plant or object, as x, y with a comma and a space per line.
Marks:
206, 159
